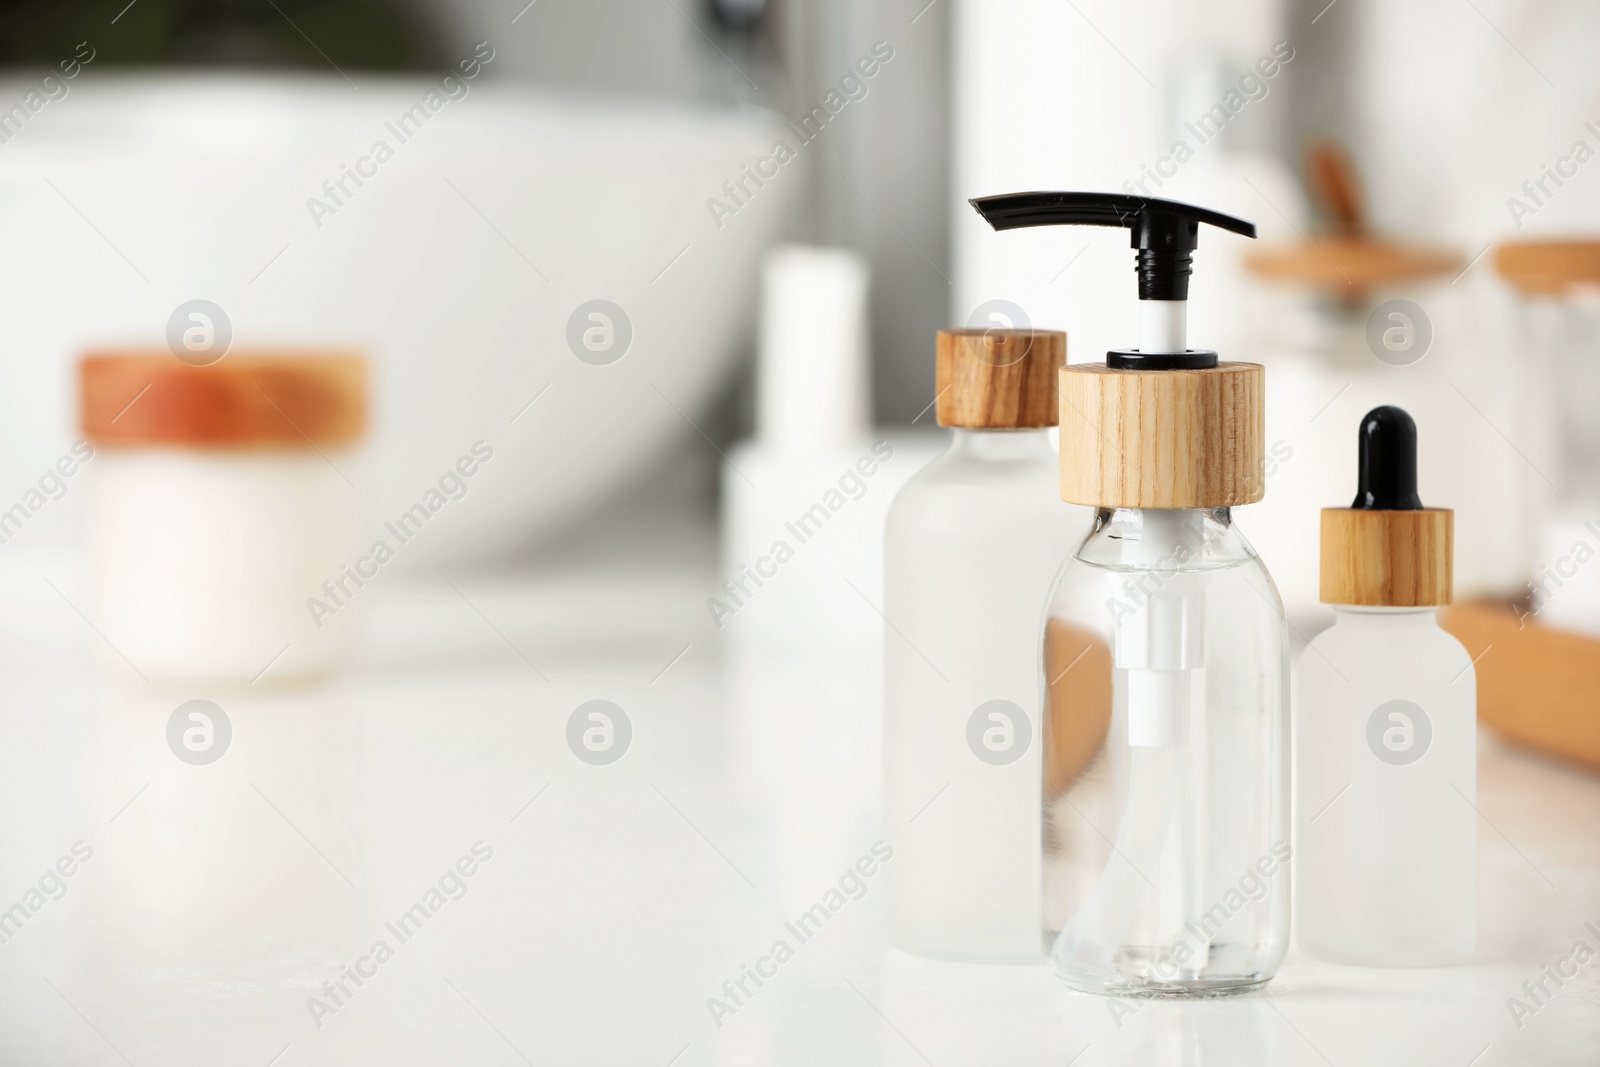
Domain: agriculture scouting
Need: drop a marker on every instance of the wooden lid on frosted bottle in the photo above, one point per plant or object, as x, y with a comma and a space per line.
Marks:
998, 379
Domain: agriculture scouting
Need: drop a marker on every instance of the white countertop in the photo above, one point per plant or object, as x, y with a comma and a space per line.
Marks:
620, 897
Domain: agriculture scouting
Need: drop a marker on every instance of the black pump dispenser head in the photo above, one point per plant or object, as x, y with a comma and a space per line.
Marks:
1388, 451
1163, 231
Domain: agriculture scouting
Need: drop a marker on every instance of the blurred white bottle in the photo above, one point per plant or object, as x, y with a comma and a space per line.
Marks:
804, 500
1385, 731
973, 542
804, 503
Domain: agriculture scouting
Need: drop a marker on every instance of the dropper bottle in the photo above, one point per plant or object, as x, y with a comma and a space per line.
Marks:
1166, 789
1385, 717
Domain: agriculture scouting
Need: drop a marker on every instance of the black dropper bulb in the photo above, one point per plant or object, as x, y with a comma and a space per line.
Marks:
1388, 453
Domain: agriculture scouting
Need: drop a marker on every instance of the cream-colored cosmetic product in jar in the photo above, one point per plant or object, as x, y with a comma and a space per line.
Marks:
223, 530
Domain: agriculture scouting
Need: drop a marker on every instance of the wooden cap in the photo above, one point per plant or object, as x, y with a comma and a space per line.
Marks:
1350, 264
1549, 268
254, 400
1162, 438
1387, 559
999, 379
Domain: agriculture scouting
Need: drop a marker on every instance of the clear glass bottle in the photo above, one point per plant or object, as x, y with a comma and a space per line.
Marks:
1386, 709
1166, 759
1165, 652
972, 542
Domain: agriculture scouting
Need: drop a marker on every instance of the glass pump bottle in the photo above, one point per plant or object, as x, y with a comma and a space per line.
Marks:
1385, 714
1165, 666
971, 543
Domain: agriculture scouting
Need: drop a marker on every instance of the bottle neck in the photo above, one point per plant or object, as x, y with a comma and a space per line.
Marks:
1163, 538
1000, 446
1164, 516
1427, 615
1160, 531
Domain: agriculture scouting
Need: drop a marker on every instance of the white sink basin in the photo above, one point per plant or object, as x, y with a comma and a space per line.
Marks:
456, 264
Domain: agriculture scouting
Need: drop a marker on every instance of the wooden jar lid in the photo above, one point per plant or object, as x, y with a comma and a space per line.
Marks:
1342, 264
1162, 438
1549, 268
1387, 559
998, 379
260, 400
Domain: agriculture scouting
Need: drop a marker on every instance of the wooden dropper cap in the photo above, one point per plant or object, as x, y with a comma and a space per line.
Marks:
1386, 549
998, 379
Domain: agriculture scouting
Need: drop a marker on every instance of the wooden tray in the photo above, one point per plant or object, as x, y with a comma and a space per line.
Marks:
1538, 686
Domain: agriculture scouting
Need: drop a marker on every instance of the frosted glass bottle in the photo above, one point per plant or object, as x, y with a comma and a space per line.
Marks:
972, 543
1386, 709
1166, 759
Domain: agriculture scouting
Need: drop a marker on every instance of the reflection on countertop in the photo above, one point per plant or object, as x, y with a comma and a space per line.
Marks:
623, 910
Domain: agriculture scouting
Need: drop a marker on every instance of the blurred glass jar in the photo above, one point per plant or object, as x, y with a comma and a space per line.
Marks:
222, 513
1556, 328
1370, 323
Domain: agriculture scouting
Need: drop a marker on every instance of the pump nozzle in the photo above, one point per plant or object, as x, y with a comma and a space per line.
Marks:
1164, 232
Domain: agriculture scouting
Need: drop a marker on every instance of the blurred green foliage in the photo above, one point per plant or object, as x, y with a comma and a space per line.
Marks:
296, 34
